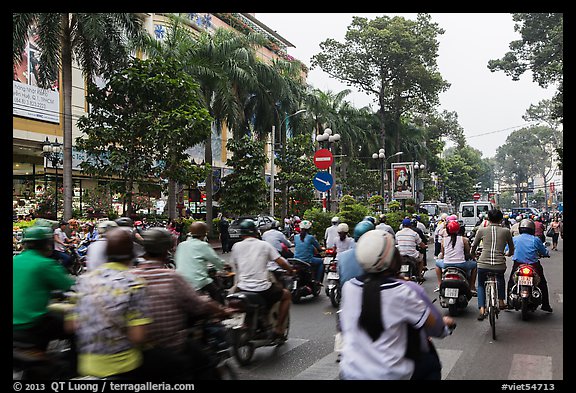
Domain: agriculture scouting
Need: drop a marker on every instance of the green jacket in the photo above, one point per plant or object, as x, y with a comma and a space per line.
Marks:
34, 276
192, 258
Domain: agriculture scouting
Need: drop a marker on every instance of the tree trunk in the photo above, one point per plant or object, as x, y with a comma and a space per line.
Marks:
67, 126
208, 160
172, 199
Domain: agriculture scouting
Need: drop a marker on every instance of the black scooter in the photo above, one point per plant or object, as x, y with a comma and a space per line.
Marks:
302, 283
455, 293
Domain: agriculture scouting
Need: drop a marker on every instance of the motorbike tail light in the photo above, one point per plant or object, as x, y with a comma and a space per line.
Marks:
452, 276
330, 252
525, 271
333, 267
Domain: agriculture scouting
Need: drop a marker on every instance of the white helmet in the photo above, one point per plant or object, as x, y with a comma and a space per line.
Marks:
343, 227
443, 216
305, 224
104, 226
375, 250
335, 220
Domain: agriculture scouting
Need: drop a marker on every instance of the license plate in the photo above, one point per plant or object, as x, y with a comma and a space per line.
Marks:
234, 236
451, 292
327, 260
236, 321
404, 268
524, 280
333, 276
295, 285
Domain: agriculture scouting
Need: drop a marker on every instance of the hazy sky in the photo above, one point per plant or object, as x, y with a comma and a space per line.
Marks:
490, 105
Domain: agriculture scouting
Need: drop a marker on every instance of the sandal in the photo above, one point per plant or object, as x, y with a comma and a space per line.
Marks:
481, 316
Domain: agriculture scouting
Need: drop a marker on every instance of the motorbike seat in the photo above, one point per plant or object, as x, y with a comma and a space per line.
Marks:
454, 269
295, 261
251, 297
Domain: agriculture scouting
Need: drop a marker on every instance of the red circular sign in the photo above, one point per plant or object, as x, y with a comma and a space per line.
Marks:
323, 159
476, 196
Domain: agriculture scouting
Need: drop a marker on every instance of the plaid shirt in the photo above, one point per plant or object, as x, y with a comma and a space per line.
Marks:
170, 300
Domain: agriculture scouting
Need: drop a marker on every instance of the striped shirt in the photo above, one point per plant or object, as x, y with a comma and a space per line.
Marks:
170, 300
494, 240
407, 240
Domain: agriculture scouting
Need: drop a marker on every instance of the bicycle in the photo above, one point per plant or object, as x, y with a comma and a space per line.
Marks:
492, 301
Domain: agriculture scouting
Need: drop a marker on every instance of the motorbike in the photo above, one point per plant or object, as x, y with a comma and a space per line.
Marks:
30, 362
303, 283
409, 270
333, 290
525, 294
252, 325
455, 290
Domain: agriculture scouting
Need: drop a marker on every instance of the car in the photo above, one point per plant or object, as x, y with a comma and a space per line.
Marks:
263, 223
524, 210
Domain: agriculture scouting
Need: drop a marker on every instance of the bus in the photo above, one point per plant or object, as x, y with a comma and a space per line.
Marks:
434, 208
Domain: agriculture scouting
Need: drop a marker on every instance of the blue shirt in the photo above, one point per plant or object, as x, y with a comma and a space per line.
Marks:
527, 248
348, 267
304, 250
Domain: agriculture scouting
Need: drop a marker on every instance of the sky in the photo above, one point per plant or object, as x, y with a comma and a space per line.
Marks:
490, 105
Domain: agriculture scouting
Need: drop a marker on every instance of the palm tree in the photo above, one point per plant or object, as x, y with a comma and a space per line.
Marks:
97, 42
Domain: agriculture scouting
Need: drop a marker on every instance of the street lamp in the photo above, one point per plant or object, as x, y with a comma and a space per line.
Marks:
381, 155
272, 159
51, 152
417, 168
330, 138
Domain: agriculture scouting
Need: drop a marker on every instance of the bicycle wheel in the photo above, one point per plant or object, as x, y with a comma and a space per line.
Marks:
492, 308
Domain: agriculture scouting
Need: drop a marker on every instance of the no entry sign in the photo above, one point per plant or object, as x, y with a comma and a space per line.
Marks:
323, 159
476, 196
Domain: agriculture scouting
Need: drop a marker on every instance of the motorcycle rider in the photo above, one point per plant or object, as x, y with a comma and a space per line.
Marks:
527, 249
409, 241
249, 260
192, 258
96, 254
424, 239
385, 320
494, 238
455, 251
344, 242
110, 316
383, 226
305, 246
331, 233
347, 266
514, 229
439, 233
172, 300
61, 242
34, 276
539, 229
278, 240
127, 224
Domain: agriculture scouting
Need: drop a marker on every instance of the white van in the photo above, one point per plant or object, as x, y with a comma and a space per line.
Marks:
468, 212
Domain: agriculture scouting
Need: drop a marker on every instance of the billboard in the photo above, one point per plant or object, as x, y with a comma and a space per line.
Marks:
402, 180
29, 100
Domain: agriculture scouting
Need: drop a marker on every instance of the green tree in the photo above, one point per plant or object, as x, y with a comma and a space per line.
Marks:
96, 42
141, 124
540, 50
393, 59
244, 191
297, 171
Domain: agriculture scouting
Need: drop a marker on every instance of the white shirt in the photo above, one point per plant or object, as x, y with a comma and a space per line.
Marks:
343, 245
249, 259
96, 254
330, 235
407, 240
62, 236
384, 358
385, 227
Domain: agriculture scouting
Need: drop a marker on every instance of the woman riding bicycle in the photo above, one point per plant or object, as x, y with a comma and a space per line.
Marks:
494, 238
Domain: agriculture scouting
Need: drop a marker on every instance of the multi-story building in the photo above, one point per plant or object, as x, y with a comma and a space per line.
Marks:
37, 117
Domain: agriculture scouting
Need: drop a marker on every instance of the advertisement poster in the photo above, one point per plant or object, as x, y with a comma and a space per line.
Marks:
402, 180
29, 100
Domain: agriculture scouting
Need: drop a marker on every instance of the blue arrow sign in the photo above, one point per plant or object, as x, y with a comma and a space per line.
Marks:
323, 181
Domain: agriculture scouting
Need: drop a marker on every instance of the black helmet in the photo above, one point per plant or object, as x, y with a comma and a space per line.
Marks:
124, 222
157, 241
248, 227
371, 219
527, 226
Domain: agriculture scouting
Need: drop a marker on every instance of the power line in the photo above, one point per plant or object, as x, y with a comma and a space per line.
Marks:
494, 132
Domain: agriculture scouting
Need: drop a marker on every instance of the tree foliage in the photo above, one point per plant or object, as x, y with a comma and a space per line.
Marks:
141, 124
244, 191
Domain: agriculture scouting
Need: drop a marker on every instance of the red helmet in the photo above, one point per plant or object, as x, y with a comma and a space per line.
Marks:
138, 223
452, 227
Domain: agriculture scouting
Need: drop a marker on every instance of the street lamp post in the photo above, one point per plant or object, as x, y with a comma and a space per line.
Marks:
272, 187
330, 138
51, 151
417, 168
382, 156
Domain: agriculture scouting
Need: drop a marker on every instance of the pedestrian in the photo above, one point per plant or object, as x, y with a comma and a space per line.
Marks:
557, 228
223, 227
494, 238
386, 321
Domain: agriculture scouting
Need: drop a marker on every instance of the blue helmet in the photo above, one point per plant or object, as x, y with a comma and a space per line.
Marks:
361, 228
